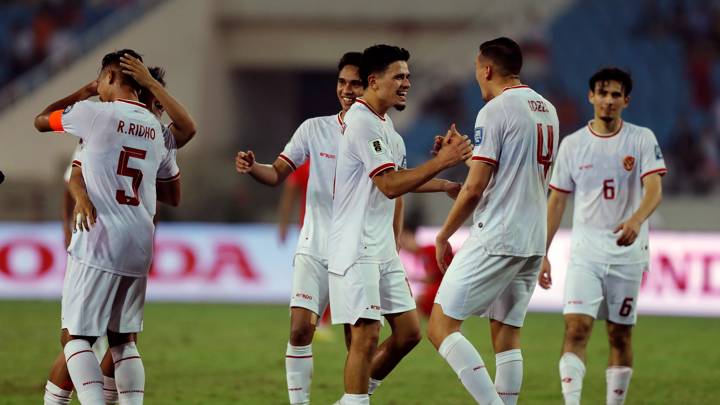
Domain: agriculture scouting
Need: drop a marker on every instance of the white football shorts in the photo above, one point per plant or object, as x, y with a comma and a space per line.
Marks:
603, 291
496, 286
94, 301
370, 291
310, 284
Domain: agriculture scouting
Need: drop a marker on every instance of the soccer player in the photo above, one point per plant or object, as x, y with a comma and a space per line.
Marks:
614, 170
366, 279
104, 287
316, 139
495, 271
180, 131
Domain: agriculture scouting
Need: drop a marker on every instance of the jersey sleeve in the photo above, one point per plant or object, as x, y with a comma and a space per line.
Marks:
297, 150
168, 137
76, 119
561, 179
489, 132
651, 160
368, 143
168, 170
401, 158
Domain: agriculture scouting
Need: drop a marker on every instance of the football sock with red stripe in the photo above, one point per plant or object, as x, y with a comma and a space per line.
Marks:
618, 381
509, 375
55, 395
84, 372
299, 370
129, 374
110, 390
469, 366
572, 372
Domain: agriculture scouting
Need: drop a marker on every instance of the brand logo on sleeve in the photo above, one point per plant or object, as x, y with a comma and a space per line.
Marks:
377, 146
658, 153
628, 163
479, 131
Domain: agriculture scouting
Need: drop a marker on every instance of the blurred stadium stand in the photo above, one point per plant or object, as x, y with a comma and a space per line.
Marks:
250, 71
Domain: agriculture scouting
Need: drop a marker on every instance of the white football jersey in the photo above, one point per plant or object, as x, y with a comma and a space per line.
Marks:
362, 221
74, 161
124, 153
605, 173
518, 133
316, 139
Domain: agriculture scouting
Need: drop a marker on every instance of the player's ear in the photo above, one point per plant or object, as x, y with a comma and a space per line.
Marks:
590, 96
627, 101
372, 80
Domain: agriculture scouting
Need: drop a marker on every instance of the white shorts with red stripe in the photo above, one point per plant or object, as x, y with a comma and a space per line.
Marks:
95, 301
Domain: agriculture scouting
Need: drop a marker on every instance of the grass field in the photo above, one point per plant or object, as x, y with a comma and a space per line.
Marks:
234, 354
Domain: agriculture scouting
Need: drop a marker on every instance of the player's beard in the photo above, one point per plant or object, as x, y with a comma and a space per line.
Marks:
607, 119
400, 107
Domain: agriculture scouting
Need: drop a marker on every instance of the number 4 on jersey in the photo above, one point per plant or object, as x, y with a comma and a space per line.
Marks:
135, 174
545, 159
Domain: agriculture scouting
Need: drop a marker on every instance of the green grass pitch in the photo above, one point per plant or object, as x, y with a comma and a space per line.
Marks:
234, 354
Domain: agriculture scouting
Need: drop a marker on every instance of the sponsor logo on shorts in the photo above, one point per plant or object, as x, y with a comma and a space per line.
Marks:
374, 307
304, 296
586, 166
574, 302
567, 380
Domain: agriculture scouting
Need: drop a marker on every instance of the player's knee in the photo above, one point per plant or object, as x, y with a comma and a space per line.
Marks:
301, 334
577, 332
620, 338
409, 339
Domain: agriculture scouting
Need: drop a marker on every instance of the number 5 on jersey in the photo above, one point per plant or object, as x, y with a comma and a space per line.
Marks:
135, 174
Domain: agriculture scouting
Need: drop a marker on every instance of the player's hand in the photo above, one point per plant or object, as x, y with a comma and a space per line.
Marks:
455, 148
630, 230
437, 144
85, 215
545, 276
137, 70
244, 162
442, 250
452, 189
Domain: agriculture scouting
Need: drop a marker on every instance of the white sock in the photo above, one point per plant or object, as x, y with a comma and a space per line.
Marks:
110, 390
618, 381
355, 399
55, 395
84, 372
299, 370
572, 372
373, 384
509, 375
468, 365
129, 374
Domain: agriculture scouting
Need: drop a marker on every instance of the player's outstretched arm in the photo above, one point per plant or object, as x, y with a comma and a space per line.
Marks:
555, 209
84, 213
270, 175
440, 185
290, 194
650, 201
43, 122
393, 184
470, 195
183, 127
168, 192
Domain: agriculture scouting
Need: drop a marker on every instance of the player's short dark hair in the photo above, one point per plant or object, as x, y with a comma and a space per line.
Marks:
350, 58
612, 73
377, 58
504, 54
112, 59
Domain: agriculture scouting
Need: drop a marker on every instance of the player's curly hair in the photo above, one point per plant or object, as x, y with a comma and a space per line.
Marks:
612, 73
505, 54
377, 58
112, 61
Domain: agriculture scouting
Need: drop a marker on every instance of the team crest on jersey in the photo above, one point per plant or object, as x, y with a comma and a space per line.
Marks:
67, 109
629, 163
479, 135
377, 146
658, 152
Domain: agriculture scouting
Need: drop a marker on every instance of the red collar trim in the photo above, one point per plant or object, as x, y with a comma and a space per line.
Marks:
519, 86
605, 136
132, 102
363, 102
340, 120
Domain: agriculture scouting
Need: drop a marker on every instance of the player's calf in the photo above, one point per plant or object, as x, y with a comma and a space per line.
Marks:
577, 333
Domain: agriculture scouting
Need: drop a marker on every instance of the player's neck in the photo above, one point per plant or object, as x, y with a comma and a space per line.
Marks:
602, 127
375, 103
123, 93
502, 85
